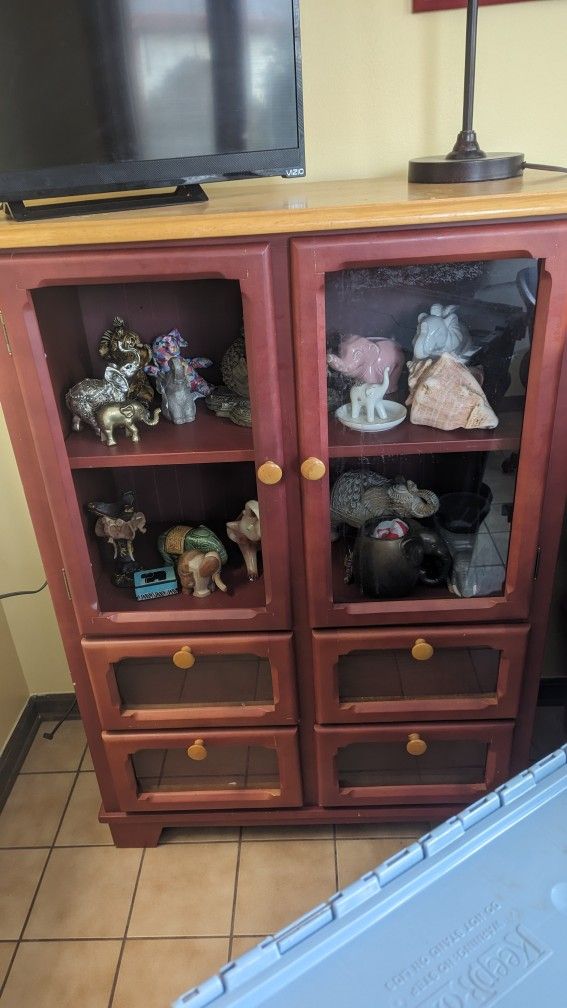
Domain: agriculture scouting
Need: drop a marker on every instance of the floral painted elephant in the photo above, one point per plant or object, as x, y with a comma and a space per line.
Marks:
168, 348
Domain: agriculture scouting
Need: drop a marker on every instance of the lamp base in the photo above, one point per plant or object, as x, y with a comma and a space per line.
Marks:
483, 168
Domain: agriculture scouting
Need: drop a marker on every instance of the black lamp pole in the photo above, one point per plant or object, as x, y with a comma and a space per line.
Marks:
467, 162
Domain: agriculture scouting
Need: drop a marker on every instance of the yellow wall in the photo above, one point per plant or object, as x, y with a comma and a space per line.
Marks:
381, 85
13, 689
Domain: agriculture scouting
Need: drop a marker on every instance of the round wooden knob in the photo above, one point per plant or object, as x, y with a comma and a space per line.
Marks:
184, 658
270, 473
416, 746
197, 751
421, 650
313, 468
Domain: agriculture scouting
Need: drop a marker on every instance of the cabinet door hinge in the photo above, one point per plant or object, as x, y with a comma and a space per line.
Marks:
66, 582
537, 563
5, 331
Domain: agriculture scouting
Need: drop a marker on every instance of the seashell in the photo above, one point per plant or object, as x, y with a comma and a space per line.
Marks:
446, 395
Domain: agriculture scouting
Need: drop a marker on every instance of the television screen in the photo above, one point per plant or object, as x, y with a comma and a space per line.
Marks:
102, 94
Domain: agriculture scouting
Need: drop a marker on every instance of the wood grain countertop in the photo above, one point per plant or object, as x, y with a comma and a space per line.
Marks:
247, 208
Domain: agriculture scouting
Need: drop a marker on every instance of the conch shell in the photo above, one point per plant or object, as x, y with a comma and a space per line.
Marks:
446, 395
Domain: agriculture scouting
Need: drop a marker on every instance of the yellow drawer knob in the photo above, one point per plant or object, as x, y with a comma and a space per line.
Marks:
421, 650
184, 658
313, 469
197, 750
416, 746
270, 473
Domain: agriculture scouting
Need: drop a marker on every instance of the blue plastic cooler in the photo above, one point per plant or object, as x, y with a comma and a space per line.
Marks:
473, 914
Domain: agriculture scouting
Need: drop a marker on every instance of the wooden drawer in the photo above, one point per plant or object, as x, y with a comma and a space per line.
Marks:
205, 769
381, 675
372, 766
176, 682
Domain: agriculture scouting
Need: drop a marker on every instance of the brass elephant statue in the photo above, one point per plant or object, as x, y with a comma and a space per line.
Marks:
123, 415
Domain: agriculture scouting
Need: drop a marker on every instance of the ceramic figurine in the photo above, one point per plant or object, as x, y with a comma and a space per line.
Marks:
118, 522
446, 395
232, 399
177, 399
365, 360
198, 572
198, 554
368, 399
245, 531
123, 415
120, 345
360, 495
391, 556
167, 348
439, 332
89, 395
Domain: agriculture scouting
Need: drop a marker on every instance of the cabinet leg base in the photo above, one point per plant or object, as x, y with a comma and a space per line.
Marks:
128, 834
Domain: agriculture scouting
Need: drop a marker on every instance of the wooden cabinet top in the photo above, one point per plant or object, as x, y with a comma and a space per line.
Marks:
291, 207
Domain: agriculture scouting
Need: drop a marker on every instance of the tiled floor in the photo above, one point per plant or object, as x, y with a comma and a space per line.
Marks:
84, 925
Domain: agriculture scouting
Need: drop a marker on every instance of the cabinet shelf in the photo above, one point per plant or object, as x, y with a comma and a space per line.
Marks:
207, 439
242, 597
411, 439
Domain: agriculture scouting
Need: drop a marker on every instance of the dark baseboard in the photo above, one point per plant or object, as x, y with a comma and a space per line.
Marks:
42, 707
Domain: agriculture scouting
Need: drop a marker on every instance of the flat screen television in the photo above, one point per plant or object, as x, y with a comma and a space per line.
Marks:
107, 95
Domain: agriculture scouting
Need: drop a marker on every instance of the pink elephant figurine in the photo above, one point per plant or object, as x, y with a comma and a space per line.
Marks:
365, 360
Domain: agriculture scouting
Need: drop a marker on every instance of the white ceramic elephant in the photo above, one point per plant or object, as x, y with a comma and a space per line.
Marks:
368, 397
246, 532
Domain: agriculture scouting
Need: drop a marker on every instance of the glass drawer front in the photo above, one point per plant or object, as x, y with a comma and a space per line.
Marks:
397, 674
173, 682
365, 676
388, 764
230, 767
241, 680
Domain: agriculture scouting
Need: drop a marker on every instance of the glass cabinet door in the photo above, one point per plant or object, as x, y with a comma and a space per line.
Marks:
422, 468
190, 332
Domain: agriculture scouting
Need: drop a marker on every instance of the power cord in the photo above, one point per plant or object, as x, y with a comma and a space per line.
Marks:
30, 591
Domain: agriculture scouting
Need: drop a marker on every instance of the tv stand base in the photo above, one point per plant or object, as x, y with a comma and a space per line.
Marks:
17, 210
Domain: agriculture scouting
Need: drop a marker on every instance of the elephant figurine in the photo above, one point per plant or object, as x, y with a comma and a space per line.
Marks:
89, 395
439, 331
177, 399
123, 415
120, 529
369, 397
120, 345
192, 550
365, 360
166, 349
245, 531
118, 522
198, 572
361, 494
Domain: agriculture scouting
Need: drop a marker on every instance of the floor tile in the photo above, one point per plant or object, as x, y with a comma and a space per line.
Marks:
6, 952
156, 972
85, 893
243, 943
62, 975
185, 890
19, 875
80, 825
356, 857
287, 833
63, 752
280, 880
502, 542
199, 834
409, 830
87, 763
33, 811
